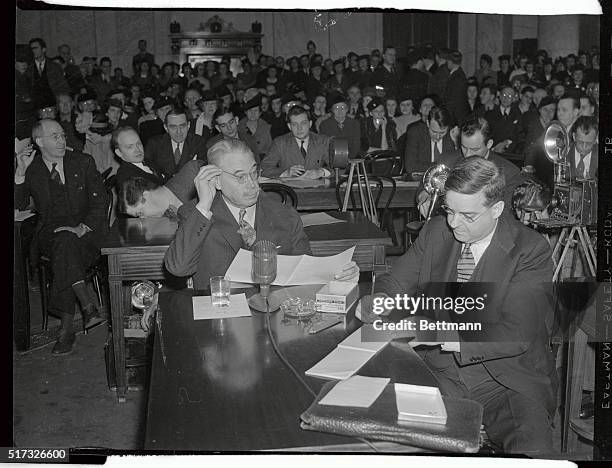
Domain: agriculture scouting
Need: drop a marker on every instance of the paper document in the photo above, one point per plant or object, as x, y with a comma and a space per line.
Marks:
204, 310
292, 269
356, 391
22, 215
419, 403
348, 357
316, 219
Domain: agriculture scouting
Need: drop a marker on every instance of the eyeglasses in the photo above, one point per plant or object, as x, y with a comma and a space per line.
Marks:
468, 217
244, 178
56, 136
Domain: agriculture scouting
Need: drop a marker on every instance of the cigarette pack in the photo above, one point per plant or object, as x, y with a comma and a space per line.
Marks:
337, 297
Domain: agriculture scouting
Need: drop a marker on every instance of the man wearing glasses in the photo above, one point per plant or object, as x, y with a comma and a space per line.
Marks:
231, 213
170, 152
508, 367
71, 202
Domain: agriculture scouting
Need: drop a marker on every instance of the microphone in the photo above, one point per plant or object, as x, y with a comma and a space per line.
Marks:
263, 272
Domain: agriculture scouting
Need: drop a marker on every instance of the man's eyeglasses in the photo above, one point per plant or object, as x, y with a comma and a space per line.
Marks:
470, 218
56, 136
244, 178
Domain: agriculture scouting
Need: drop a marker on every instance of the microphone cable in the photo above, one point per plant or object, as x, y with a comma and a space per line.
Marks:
297, 374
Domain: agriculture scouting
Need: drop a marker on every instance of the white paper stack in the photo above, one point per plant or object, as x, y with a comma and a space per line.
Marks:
356, 391
348, 357
419, 403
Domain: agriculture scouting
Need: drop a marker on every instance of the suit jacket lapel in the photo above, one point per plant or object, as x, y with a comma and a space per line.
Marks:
225, 223
491, 263
40, 176
169, 152
449, 251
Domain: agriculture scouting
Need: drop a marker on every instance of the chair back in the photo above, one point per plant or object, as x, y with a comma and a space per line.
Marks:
285, 192
384, 163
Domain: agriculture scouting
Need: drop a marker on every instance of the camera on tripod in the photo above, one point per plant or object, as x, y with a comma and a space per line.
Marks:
574, 200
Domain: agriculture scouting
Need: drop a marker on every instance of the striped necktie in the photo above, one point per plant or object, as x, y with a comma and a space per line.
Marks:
246, 231
465, 265
302, 149
177, 154
55, 176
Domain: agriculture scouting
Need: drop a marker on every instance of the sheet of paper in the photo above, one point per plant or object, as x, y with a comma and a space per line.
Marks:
292, 269
21, 215
419, 403
316, 219
340, 364
204, 310
354, 341
357, 391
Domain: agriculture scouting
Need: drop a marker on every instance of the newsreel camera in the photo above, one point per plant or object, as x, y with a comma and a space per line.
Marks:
574, 201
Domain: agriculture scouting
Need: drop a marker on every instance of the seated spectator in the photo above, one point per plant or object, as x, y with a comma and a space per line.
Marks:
318, 112
204, 124
377, 131
472, 97
342, 126
505, 122
147, 111
144, 78
557, 90
143, 198
593, 91
98, 136
67, 119
226, 124
407, 114
503, 75
151, 128
255, 131
276, 117
171, 151
127, 146
340, 81
536, 162
314, 84
71, 201
538, 95
192, 96
246, 77
299, 153
231, 208
427, 142
485, 74
363, 76
353, 100
547, 75
577, 79
588, 106
487, 100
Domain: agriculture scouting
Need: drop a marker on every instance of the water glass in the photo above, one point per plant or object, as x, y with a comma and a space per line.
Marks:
220, 287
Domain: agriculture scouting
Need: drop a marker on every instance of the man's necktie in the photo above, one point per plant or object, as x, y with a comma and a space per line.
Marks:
302, 149
54, 176
580, 167
246, 231
177, 154
465, 265
40, 68
437, 153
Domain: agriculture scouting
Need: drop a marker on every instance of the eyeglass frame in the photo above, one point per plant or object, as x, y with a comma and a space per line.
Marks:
253, 175
450, 212
55, 136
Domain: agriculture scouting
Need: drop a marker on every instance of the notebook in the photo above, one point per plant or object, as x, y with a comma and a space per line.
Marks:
346, 359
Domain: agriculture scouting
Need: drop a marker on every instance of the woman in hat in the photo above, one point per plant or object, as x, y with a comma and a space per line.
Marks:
378, 131
407, 115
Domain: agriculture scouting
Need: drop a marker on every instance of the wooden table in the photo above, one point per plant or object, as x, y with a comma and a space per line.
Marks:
22, 236
136, 247
321, 194
218, 384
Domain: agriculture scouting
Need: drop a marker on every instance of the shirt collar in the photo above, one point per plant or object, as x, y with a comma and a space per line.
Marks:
485, 241
235, 211
305, 140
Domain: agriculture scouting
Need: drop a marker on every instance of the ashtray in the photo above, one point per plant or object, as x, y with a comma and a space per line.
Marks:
294, 307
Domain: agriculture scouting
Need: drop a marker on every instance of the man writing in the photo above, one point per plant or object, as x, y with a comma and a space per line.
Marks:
231, 213
71, 202
510, 371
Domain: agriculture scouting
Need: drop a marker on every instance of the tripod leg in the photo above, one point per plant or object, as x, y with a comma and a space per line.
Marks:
564, 253
587, 253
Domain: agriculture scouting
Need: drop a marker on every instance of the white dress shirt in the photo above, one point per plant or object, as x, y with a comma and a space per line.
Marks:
587, 163
433, 151
143, 167
249, 216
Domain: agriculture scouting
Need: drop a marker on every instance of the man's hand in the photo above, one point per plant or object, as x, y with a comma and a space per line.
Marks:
349, 272
454, 134
148, 314
502, 146
205, 184
294, 171
24, 159
423, 203
78, 231
314, 173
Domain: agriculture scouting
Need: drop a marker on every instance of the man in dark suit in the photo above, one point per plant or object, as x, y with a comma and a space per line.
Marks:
427, 142
142, 56
388, 74
45, 77
536, 161
127, 146
439, 78
506, 122
72, 204
231, 213
583, 152
415, 79
171, 151
300, 152
507, 367
476, 141
455, 96
341, 126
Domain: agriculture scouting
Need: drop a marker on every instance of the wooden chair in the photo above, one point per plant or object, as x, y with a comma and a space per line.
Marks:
93, 274
283, 191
